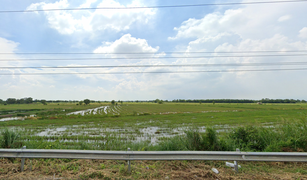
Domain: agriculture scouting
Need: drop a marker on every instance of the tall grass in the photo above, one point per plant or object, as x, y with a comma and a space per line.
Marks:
10, 139
195, 141
288, 136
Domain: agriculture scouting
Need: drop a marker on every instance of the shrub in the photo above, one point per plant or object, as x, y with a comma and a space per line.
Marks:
193, 140
210, 140
248, 138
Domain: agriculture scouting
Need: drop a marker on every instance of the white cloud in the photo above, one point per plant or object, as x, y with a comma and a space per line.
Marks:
252, 22
303, 33
7, 45
69, 22
126, 44
284, 18
246, 29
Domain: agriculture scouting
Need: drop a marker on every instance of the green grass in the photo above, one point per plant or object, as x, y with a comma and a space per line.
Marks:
136, 124
42, 110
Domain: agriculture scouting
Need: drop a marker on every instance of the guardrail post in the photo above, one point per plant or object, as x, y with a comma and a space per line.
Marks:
22, 160
129, 164
236, 163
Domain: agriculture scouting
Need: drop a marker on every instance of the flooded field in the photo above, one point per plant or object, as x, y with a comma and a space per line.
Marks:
141, 126
99, 133
103, 110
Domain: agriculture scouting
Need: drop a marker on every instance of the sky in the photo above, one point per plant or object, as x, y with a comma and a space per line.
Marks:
163, 36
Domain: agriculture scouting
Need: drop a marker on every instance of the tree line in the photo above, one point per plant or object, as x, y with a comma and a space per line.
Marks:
264, 100
29, 100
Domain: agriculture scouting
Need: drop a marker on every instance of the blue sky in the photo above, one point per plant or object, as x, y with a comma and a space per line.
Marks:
262, 27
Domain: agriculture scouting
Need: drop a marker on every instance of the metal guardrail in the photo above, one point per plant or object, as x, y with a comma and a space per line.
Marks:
154, 155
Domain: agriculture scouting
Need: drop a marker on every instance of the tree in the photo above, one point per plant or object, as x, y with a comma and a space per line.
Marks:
11, 101
112, 102
80, 103
86, 101
44, 102
28, 100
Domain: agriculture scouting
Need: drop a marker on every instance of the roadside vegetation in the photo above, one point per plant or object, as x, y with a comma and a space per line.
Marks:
285, 137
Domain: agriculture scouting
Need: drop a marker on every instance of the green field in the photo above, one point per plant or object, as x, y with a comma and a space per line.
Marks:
154, 127
145, 126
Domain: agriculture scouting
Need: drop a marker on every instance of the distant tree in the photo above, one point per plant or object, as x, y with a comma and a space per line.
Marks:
44, 102
112, 102
28, 100
80, 103
160, 102
11, 101
86, 101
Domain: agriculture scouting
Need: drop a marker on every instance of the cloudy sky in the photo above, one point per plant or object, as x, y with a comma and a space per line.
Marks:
251, 34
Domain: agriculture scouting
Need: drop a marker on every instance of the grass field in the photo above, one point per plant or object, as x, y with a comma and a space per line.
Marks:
150, 126
140, 125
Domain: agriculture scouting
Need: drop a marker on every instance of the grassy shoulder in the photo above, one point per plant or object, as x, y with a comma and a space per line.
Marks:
106, 169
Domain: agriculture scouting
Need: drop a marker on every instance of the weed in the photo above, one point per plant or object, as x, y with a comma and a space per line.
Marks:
10, 139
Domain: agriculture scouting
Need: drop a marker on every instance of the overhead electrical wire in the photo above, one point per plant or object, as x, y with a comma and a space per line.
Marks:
148, 58
160, 65
157, 72
151, 53
153, 7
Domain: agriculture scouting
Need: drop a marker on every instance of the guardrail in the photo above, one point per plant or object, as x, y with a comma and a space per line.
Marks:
154, 155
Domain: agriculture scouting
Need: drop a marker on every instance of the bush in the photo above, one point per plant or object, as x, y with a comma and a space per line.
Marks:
195, 141
248, 138
210, 140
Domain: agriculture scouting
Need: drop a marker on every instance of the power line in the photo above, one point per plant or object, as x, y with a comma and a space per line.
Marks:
148, 58
153, 7
145, 53
161, 65
158, 72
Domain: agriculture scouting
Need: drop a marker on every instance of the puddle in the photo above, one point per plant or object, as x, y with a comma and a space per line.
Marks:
151, 134
12, 118
91, 111
51, 132
15, 118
